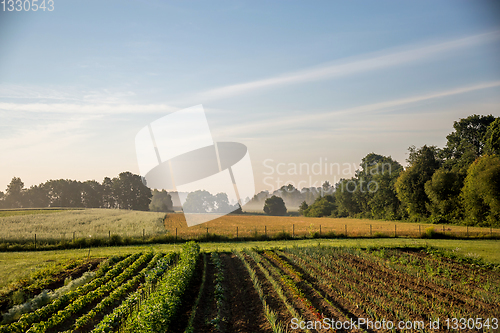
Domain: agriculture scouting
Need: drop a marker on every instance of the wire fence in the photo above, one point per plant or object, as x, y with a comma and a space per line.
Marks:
346, 230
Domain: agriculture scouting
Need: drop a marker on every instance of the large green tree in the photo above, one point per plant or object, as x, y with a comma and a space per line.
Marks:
443, 191
481, 192
467, 141
410, 185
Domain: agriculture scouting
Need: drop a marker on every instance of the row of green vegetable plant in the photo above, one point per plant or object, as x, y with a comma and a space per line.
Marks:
107, 270
80, 303
116, 295
157, 312
113, 320
194, 308
219, 292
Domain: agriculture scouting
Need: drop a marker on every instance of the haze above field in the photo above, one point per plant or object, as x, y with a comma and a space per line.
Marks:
297, 84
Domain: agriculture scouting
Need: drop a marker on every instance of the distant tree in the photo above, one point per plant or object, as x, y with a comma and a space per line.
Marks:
410, 185
37, 196
14, 197
275, 206
92, 196
2, 201
64, 193
108, 194
326, 188
130, 192
303, 207
161, 202
200, 201
492, 138
323, 206
481, 192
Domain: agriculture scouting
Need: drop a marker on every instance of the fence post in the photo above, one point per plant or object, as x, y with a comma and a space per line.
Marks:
143, 233
467, 231
443, 229
207, 232
236, 232
395, 232
265, 230
73, 236
320, 230
293, 230
35, 241
370, 230
109, 234
419, 232
491, 232
346, 230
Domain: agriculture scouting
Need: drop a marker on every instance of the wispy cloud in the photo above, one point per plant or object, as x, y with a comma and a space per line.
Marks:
368, 62
303, 119
72, 108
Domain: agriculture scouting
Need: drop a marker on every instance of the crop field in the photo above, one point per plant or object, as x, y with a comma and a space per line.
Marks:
65, 225
233, 226
296, 289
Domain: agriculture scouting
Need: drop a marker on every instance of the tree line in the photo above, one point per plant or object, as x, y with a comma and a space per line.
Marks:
127, 191
459, 183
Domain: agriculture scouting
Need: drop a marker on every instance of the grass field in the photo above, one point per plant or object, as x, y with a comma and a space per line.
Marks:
64, 224
262, 287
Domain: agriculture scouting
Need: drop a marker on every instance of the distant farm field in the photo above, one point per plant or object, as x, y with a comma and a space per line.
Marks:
100, 223
246, 225
64, 224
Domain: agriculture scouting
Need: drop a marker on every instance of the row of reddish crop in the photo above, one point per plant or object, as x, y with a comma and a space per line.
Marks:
378, 291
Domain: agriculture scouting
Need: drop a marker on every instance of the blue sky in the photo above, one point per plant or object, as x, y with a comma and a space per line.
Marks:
295, 82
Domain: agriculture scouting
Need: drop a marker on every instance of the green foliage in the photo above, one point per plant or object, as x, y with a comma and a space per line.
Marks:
410, 185
275, 206
158, 311
467, 142
481, 192
303, 207
443, 190
324, 206
492, 138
